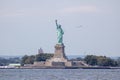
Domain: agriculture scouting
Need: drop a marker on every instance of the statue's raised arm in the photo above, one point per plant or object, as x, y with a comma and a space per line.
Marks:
56, 23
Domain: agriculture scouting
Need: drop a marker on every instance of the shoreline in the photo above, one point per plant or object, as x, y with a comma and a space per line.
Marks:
63, 67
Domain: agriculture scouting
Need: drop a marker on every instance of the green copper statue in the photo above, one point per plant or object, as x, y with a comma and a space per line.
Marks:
60, 33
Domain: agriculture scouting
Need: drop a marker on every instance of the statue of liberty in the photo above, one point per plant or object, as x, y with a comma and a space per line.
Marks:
60, 33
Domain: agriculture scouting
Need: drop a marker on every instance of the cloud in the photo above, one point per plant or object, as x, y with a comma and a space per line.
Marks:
18, 12
80, 9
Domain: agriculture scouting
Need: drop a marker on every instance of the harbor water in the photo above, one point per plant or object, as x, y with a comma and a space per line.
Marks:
59, 74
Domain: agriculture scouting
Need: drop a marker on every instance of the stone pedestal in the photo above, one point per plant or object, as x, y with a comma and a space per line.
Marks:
59, 59
59, 55
59, 51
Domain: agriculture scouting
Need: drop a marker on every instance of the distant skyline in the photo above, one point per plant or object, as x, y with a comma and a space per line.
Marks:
90, 26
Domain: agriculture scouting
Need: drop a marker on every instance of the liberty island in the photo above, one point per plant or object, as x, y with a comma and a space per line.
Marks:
59, 59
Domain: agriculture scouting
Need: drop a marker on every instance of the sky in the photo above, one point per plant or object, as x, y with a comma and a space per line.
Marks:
90, 26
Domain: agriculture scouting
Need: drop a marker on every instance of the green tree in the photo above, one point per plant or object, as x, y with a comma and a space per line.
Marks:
91, 59
27, 59
39, 57
24, 58
30, 59
100, 60
106, 61
43, 57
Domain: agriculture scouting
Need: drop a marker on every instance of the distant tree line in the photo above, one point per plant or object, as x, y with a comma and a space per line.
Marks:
101, 61
6, 61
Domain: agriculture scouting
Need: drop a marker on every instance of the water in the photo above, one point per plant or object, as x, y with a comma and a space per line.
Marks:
59, 74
